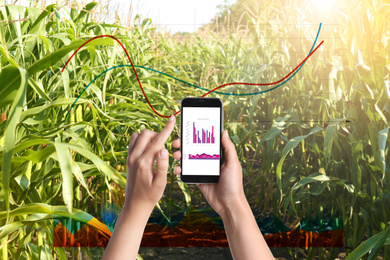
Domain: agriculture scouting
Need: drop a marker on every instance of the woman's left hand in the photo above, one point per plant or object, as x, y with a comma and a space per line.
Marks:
145, 185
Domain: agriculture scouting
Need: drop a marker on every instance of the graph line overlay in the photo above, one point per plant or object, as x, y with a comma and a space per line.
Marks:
282, 81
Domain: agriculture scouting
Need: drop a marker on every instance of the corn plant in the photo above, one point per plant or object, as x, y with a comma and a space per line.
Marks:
316, 145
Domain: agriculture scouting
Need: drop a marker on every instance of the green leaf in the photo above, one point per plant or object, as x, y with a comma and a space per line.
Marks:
382, 146
83, 13
369, 244
187, 195
290, 146
309, 179
79, 176
6, 55
55, 212
9, 228
10, 131
28, 143
271, 134
51, 58
16, 13
8, 92
48, 105
278, 126
379, 243
318, 177
387, 88
65, 79
330, 133
100, 164
35, 156
61, 253
38, 89
48, 10
12, 79
66, 171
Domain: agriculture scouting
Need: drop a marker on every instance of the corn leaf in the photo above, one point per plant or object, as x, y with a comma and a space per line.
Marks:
10, 131
290, 146
66, 171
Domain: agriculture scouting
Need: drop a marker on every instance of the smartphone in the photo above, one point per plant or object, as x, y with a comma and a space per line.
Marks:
201, 131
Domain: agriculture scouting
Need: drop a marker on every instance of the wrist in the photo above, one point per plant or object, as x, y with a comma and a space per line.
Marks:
141, 209
236, 207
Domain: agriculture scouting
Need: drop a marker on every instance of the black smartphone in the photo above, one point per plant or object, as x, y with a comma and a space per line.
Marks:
201, 131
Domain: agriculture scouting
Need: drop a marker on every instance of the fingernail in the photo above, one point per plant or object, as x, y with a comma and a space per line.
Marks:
164, 153
227, 133
171, 118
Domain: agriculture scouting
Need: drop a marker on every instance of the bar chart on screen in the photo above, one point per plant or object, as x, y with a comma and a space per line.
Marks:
203, 135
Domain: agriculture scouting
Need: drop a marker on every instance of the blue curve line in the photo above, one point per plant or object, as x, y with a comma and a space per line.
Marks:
205, 89
312, 47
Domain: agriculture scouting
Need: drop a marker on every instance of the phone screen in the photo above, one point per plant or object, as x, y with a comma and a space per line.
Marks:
201, 141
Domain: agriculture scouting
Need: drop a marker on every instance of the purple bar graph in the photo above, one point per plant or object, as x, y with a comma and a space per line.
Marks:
205, 136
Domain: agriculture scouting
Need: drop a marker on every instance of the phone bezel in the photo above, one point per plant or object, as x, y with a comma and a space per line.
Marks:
201, 102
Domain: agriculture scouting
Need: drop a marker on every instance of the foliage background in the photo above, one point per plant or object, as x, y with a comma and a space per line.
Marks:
317, 144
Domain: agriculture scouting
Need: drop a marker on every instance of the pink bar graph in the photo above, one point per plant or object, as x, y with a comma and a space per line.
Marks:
205, 136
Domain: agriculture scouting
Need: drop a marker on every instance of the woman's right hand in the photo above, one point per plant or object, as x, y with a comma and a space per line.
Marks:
228, 192
228, 200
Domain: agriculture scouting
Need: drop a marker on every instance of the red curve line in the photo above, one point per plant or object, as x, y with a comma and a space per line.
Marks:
221, 86
128, 56
264, 84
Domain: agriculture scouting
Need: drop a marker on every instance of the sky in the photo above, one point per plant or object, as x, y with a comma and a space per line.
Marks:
175, 15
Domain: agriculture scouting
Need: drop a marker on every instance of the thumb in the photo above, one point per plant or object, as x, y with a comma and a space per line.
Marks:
161, 167
229, 151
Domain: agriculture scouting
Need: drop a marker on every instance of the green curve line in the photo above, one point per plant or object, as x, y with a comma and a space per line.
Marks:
195, 86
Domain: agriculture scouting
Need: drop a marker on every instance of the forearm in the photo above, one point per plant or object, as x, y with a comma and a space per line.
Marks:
244, 237
126, 238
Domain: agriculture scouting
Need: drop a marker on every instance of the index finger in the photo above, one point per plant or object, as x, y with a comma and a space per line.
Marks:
162, 137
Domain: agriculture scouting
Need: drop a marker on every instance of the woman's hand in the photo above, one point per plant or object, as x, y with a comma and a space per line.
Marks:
144, 188
228, 192
228, 200
145, 185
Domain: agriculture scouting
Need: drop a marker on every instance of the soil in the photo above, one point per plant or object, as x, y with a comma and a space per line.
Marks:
188, 253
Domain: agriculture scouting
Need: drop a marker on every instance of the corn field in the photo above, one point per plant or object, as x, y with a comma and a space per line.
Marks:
316, 145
